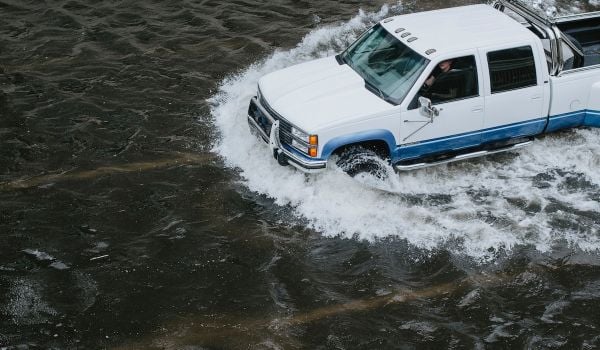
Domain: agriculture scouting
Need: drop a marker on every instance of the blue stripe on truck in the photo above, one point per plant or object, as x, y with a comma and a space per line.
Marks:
527, 128
567, 120
470, 139
592, 118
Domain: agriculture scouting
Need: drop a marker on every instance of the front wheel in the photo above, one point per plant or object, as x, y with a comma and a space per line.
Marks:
358, 160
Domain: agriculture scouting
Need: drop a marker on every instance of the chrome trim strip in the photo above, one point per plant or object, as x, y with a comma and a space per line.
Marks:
560, 60
305, 166
263, 110
577, 70
261, 133
576, 17
461, 157
573, 47
547, 24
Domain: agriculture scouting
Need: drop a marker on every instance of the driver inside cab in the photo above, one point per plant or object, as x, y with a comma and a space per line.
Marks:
439, 73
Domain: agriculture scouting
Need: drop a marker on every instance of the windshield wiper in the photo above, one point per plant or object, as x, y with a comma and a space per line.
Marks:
377, 91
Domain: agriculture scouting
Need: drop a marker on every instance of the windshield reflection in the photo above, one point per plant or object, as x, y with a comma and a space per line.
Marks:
389, 67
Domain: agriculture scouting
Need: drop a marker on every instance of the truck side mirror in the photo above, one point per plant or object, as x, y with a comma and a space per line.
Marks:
427, 108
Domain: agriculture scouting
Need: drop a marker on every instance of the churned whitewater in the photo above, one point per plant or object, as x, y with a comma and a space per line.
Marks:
543, 196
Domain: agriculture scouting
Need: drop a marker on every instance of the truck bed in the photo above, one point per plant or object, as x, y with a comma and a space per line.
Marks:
586, 33
592, 54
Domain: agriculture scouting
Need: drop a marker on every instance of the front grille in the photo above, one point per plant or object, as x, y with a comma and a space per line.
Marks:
285, 128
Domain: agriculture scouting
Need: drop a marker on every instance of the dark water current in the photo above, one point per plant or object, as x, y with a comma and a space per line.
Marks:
137, 213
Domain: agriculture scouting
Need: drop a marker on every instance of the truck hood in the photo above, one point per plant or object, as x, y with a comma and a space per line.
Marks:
320, 94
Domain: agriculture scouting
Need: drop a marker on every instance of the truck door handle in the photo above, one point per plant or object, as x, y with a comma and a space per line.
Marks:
477, 109
537, 97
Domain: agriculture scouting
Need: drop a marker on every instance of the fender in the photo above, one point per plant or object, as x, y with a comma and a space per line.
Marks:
363, 136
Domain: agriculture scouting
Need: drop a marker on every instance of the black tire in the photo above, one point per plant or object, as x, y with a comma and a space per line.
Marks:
357, 160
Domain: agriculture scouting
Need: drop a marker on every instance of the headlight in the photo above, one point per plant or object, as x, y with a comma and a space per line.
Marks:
300, 146
304, 142
300, 135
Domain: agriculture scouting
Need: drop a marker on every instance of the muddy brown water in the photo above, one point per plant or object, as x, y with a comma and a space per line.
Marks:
126, 223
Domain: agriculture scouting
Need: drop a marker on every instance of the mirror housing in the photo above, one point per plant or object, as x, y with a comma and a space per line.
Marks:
427, 109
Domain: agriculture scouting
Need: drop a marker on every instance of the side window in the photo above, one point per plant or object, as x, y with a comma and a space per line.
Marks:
512, 69
453, 79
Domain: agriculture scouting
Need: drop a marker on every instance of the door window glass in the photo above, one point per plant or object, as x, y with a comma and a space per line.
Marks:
512, 69
452, 79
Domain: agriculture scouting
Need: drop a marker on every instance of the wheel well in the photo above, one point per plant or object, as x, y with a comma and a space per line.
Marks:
380, 147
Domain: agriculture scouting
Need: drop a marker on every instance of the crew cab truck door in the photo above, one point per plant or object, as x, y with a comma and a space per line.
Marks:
515, 96
455, 94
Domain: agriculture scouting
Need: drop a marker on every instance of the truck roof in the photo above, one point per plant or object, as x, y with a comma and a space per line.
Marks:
456, 29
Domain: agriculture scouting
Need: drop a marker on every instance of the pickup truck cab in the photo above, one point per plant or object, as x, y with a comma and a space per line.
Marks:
434, 87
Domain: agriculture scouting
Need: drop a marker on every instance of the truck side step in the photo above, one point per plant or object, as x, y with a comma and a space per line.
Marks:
464, 156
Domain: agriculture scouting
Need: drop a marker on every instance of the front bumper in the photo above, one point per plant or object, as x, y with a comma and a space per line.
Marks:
284, 153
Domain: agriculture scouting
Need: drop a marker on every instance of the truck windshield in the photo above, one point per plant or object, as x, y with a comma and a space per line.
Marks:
389, 67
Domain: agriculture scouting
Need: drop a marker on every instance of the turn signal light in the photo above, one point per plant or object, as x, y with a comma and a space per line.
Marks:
313, 140
312, 151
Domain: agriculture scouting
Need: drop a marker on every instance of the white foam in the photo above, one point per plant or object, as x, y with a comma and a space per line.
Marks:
559, 8
480, 215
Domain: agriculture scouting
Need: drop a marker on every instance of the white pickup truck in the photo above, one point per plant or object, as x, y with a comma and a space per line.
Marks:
434, 87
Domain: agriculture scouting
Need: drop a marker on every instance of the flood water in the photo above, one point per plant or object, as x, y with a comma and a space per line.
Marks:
137, 212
